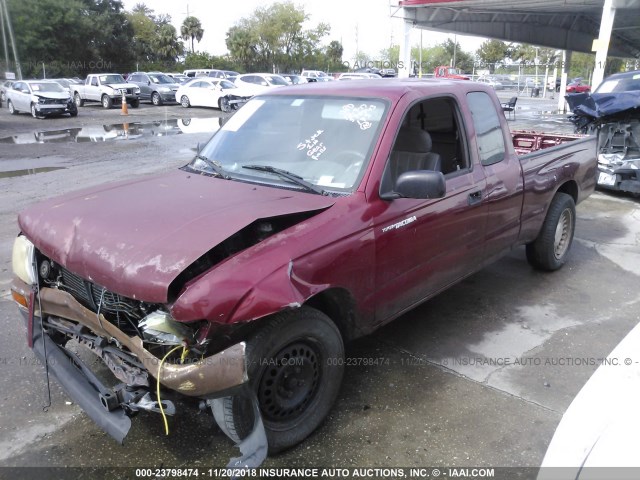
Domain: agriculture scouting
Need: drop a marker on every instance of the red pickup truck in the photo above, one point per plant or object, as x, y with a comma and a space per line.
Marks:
315, 215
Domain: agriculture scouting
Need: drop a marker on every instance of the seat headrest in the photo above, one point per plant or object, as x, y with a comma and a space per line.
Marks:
413, 140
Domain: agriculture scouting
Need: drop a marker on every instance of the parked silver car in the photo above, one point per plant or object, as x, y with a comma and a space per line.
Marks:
155, 87
40, 97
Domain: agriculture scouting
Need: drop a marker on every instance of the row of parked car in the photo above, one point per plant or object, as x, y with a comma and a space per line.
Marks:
223, 89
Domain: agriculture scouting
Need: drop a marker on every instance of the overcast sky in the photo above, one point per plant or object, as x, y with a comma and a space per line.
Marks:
371, 19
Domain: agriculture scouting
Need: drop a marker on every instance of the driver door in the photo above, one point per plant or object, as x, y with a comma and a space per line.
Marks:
423, 246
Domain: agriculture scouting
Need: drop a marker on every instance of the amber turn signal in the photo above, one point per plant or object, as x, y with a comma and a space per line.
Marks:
20, 299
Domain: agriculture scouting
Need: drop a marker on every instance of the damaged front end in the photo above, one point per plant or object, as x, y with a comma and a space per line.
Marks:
142, 347
616, 119
619, 156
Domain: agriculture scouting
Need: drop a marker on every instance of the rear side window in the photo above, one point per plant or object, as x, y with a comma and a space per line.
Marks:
488, 130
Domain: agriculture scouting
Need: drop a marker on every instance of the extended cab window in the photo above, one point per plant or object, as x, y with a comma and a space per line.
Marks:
430, 138
324, 141
488, 130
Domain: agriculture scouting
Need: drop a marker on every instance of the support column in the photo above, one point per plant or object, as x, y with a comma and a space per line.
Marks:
566, 66
405, 50
601, 45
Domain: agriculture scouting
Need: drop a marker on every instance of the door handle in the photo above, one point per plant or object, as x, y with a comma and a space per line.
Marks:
475, 197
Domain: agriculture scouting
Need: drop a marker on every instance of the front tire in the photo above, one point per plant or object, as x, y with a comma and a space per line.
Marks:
156, 99
79, 101
184, 101
224, 104
107, 103
135, 103
295, 366
549, 251
12, 109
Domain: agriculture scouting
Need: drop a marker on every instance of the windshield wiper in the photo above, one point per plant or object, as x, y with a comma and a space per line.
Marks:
215, 166
292, 177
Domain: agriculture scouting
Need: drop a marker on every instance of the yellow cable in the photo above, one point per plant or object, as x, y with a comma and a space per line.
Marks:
164, 417
185, 351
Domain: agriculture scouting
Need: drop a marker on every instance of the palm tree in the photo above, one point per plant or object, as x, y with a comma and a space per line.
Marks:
191, 28
167, 44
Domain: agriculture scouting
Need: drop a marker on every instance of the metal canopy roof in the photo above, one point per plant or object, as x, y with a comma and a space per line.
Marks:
560, 24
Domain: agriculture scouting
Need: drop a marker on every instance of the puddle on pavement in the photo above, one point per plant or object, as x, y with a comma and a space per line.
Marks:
28, 171
119, 131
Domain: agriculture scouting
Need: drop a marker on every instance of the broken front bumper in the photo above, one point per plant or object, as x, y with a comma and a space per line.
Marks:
209, 377
618, 173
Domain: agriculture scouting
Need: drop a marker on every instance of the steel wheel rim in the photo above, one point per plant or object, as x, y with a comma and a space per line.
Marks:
290, 382
563, 234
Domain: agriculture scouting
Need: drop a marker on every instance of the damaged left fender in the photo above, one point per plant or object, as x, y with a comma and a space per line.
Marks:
247, 299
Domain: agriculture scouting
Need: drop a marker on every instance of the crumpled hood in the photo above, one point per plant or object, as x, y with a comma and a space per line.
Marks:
56, 95
135, 237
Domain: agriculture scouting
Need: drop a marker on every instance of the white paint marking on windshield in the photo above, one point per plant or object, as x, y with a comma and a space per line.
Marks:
313, 146
362, 114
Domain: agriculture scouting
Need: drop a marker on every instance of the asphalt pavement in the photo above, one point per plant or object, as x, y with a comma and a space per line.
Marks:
479, 376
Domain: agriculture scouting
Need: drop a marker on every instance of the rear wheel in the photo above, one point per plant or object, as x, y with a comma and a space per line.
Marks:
295, 366
79, 101
549, 251
12, 109
184, 101
106, 101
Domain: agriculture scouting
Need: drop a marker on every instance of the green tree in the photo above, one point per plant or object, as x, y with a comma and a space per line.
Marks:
71, 37
335, 51
191, 29
463, 60
166, 43
492, 53
273, 38
241, 44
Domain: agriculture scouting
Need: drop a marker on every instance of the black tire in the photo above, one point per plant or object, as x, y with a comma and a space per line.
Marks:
79, 101
135, 103
295, 366
549, 251
12, 109
73, 113
224, 105
106, 101
184, 101
156, 99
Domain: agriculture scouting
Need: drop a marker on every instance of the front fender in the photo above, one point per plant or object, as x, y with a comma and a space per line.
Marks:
242, 299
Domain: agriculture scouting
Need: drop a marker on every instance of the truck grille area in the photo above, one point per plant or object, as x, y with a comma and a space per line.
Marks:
122, 311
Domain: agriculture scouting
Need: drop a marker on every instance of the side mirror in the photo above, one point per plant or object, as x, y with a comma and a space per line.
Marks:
419, 184
148, 82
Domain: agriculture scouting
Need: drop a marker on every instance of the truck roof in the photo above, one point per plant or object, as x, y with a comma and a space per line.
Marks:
391, 88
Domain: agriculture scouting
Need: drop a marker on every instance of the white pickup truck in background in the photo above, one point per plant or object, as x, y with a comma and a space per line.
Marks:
106, 88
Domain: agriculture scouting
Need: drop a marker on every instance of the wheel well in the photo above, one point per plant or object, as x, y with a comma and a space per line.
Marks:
340, 307
570, 188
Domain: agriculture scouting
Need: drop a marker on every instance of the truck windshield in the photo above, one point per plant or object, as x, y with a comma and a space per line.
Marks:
325, 141
113, 78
